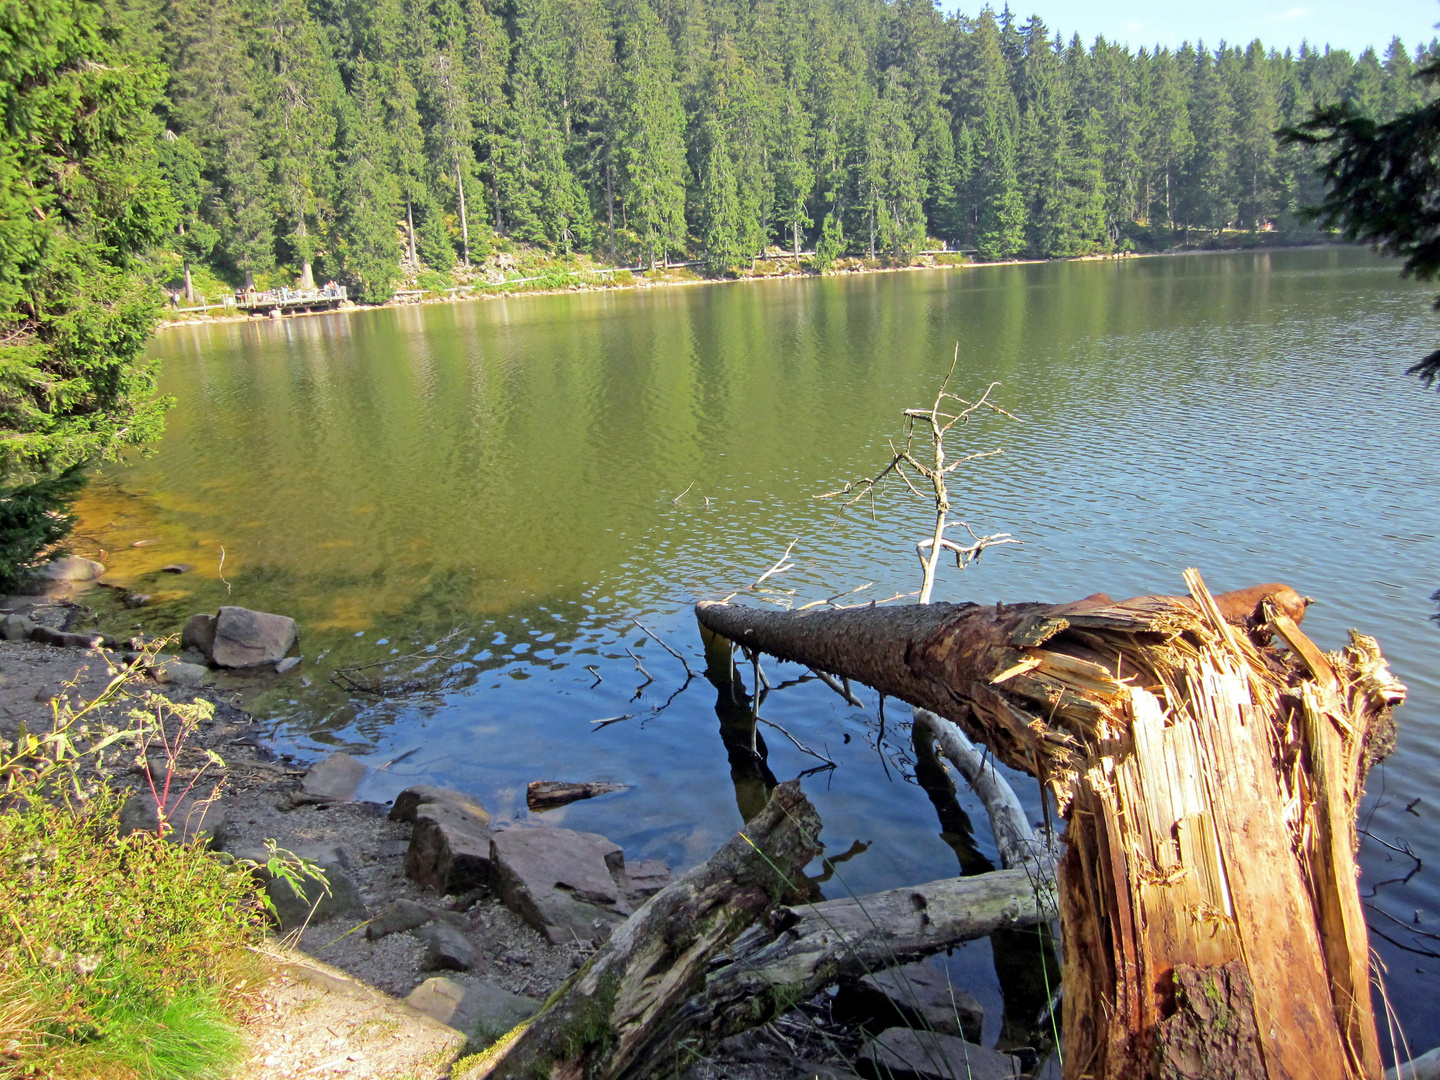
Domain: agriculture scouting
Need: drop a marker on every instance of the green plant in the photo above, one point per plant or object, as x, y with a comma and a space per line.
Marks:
33, 518
121, 955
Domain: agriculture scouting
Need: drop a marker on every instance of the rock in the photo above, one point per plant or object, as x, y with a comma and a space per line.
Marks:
905, 1054
446, 948
393, 849
172, 670
562, 883
334, 779
294, 908
175, 568
199, 634
324, 854
190, 819
136, 599
287, 664
409, 801
546, 794
16, 628
916, 996
643, 879
72, 568
245, 638
482, 1011
398, 916
449, 848
66, 640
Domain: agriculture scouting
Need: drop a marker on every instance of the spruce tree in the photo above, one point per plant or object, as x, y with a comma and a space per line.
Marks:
366, 237
650, 147
81, 196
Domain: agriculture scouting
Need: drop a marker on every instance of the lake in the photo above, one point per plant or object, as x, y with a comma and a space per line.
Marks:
525, 477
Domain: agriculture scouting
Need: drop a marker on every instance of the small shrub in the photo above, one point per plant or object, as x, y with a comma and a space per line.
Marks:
433, 281
120, 954
623, 277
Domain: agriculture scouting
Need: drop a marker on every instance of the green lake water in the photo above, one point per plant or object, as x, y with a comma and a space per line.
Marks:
510, 473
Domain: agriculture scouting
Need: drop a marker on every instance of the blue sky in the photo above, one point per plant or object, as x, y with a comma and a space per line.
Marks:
1280, 23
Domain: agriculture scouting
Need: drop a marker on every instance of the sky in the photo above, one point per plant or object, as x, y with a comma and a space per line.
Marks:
1282, 24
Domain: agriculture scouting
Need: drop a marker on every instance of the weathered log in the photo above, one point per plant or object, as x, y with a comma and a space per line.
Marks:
1208, 785
618, 1015
1015, 840
717, 953
766, 972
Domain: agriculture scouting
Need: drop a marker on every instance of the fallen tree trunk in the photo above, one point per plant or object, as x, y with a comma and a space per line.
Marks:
718, 952
1208, 902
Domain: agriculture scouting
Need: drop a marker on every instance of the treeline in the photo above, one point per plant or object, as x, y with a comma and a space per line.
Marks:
365, 140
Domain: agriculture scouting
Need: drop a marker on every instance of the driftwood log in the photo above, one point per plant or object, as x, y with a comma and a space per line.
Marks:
721, 951
1208, 782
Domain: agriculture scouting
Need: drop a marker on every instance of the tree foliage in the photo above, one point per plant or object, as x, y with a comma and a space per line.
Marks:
81, 198
370, 141
1383, 183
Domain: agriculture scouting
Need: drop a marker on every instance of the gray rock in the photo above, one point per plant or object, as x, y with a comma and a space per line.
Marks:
287, 664
393, 849
136, 599
449, 848
189, 819
66, 640
398, 916
199, 634
72, 568
482, 1011
173, 670
245, 638
334, 779
175, 568
643, 879
915, 995
905, 1054
16, 628
311, 902
562, 883
446, 948
408, 802
324, 854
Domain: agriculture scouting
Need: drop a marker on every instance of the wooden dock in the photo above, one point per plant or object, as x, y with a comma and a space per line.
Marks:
290, 301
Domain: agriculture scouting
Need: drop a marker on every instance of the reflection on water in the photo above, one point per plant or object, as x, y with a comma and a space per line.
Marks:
513, 470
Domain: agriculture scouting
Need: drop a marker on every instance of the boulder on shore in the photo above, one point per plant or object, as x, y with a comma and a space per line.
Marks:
236, 637
906, 1054
482, 1011
334, 779
190, 819
72, 568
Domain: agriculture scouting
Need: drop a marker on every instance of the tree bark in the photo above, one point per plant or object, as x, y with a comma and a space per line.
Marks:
619, 1015
1208, 783
717, 953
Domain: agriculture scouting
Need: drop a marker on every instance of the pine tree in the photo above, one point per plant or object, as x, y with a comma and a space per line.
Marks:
649, 143
300, 91
81, 197
367, 241
1000, 232
1257, 115
720, 204
1208, 196
1166, 138
183, 167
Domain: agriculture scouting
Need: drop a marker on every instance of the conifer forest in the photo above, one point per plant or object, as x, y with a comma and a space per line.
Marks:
364, 142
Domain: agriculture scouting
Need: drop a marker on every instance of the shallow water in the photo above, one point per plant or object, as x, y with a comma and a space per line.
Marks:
513, 471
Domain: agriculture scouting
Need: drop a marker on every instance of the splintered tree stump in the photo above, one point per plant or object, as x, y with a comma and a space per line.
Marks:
1208, 780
